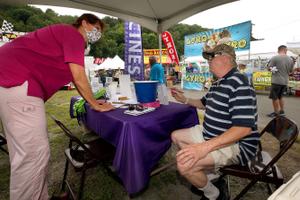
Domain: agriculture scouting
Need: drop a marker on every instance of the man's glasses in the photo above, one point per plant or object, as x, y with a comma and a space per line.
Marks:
210, 55
137, 107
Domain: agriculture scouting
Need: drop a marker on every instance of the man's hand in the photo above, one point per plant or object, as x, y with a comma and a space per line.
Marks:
178, 95
191, 154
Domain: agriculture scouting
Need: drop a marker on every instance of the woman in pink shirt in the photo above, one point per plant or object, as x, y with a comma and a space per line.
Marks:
32, 68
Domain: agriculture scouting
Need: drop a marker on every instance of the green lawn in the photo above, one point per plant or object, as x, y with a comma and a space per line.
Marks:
99, 185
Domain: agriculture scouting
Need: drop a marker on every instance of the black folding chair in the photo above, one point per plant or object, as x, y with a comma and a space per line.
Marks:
2, 143
83, 156
263, 168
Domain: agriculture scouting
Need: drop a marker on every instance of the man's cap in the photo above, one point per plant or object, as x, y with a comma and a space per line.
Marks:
223, 48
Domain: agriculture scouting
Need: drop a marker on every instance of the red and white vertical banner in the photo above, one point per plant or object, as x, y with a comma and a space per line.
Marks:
169, 43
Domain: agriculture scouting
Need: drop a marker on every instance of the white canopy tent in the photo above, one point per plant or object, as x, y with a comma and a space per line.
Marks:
107, 64
156, 15
117, 63
294, 47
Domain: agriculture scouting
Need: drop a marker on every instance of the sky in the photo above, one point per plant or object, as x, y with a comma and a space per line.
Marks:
275, 21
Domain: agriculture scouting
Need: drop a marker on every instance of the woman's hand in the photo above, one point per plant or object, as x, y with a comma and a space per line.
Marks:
178, 95
103, 107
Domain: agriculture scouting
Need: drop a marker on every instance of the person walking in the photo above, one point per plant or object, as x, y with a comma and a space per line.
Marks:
33, 67
281, 66
229, 132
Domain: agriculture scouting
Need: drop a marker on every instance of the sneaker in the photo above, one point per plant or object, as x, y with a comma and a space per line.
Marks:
196, 191
221, 184
273, 114
281, 113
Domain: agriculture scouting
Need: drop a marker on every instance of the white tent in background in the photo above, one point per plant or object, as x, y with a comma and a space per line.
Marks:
105, 65
294, 47
117, 63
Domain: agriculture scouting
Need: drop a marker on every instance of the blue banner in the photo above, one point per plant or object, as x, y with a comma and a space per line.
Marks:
239, 37
134, 58
196, 76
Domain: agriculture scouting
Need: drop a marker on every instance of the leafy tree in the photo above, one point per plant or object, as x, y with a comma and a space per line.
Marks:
28, 18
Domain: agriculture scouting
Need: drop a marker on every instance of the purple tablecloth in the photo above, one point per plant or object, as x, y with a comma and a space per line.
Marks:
140, 141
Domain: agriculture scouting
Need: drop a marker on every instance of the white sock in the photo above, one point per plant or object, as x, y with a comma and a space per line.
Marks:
212, 176
210, 191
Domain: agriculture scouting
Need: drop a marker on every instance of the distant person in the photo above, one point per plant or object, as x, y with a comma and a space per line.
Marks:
242, 67
110, 72
157, 71
33, 67
147, 72
281, 66
190, 68
102, 77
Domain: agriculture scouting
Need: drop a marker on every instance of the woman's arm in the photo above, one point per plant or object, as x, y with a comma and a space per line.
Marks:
84, 88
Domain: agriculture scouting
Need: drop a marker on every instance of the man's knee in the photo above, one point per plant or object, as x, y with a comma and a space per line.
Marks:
174, 136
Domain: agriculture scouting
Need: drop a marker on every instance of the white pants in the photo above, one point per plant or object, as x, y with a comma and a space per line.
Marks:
25, 126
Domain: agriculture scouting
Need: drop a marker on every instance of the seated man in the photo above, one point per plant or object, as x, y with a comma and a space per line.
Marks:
229, 133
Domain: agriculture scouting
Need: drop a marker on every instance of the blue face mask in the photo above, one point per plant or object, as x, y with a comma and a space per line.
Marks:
93, 36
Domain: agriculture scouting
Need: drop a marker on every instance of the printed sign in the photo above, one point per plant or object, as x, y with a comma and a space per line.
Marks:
165, 59
262, 78
169, 43
238, 36
134, 63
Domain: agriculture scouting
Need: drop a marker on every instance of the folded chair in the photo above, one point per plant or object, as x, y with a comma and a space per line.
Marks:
263, 167
2, 143
83, 156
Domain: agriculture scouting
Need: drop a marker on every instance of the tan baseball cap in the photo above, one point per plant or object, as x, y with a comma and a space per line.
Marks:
221, 48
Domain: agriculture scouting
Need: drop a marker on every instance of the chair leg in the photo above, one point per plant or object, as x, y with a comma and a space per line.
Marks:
269, 188
65, 176
82, 179
243, 192
4, 150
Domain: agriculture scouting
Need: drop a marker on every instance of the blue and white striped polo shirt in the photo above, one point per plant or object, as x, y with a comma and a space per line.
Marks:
231, 101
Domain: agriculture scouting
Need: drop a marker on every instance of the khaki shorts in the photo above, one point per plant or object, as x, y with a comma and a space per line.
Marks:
222, 157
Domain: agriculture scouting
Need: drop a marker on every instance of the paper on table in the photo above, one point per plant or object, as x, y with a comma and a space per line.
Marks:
137, 113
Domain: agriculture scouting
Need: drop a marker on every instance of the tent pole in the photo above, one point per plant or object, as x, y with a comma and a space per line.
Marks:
160, 47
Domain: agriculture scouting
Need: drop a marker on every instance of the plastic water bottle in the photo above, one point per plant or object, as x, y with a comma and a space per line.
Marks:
95, 84
162, 94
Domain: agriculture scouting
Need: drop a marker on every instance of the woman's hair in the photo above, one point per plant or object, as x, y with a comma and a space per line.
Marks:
90, 18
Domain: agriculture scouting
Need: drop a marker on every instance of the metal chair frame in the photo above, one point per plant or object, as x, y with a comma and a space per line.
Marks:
94, 152
286, 132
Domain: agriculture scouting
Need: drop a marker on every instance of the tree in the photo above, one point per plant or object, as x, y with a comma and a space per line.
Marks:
28, 18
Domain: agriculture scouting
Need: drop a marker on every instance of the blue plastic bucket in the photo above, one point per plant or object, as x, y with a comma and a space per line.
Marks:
146, 91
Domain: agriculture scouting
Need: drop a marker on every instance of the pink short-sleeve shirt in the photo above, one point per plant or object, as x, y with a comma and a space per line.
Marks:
42, 58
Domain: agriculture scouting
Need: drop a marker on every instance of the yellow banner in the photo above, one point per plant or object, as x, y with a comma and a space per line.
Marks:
155, 52
262, 78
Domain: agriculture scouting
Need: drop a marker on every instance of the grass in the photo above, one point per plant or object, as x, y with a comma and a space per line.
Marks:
99, 185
